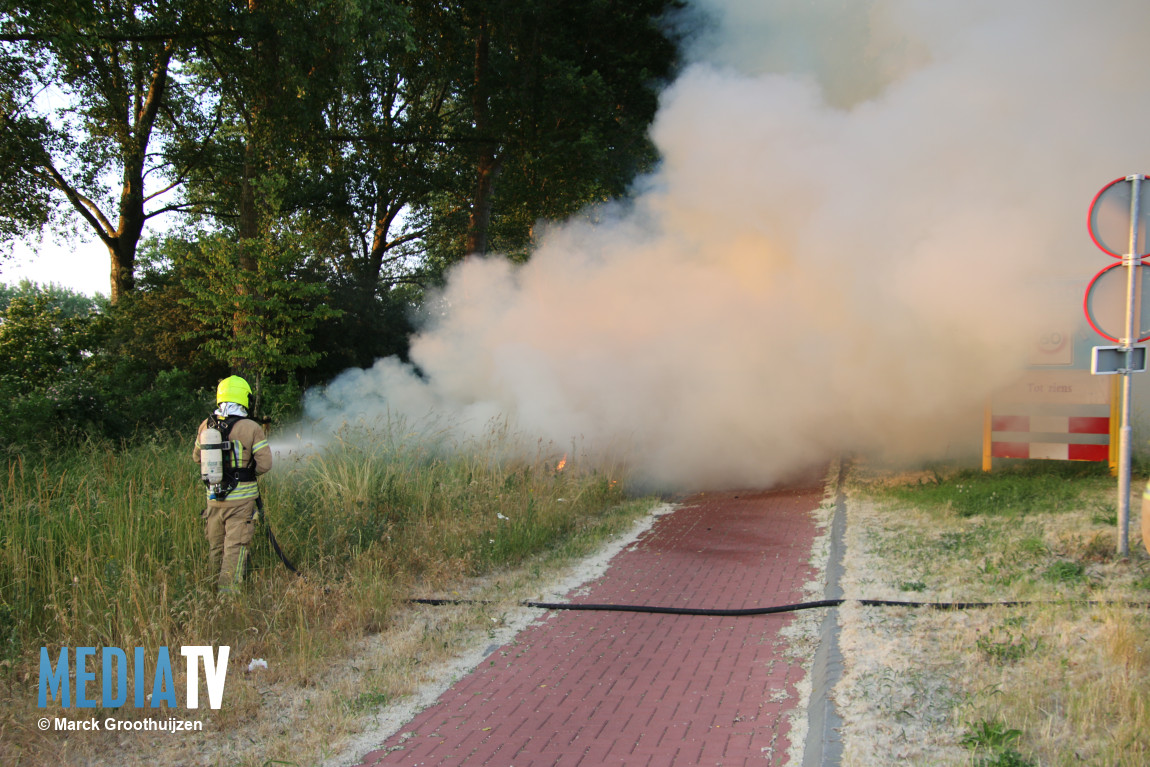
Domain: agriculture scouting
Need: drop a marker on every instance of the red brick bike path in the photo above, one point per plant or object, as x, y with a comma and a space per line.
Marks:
617, 688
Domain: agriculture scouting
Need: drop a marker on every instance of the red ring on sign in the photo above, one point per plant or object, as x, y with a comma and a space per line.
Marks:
1086, 304
1090, 228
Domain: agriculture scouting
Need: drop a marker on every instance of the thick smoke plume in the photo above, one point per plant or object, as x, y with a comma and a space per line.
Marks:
849, 243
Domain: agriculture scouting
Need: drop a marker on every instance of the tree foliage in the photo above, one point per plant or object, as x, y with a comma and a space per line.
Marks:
279, 304
41, 342
561, 96
327, 160
386, 150
63, 373
91, 104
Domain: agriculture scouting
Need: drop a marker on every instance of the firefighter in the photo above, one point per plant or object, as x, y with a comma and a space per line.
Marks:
232, 451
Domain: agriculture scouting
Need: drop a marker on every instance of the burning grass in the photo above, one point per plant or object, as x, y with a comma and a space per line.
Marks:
105, 548
1056, 682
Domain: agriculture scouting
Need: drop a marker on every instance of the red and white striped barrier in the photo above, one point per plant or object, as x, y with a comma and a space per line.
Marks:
1053, 415
1055, 437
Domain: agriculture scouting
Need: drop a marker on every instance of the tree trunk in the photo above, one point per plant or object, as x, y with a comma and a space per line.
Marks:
480, 219
266, 54
373, 265
248, 234
488, 163
122, 278
249, 214
122, 242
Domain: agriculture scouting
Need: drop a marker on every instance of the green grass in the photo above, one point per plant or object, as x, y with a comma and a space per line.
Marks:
1064, 571
990, 735
104, 547
1070, 666
1004, 646
1035, 488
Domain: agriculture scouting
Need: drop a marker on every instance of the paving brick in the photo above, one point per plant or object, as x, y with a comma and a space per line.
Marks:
589, 688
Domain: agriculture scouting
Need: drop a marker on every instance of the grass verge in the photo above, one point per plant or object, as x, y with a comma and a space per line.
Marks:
1056, 682
105, 548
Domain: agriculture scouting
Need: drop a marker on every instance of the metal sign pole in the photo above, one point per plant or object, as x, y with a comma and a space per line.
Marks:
1108, 228
1125, 447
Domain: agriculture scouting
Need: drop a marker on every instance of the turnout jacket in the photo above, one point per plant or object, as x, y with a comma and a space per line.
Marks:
250, 448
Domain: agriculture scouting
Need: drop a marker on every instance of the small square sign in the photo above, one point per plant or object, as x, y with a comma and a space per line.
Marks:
1111, 360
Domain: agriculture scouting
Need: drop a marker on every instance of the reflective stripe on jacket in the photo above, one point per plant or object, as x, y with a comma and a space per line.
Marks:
244, 432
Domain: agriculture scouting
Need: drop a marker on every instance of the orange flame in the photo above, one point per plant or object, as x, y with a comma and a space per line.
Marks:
562, 462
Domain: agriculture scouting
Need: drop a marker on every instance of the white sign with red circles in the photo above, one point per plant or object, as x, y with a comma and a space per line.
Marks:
1105, 304
1109, 218
1110, 221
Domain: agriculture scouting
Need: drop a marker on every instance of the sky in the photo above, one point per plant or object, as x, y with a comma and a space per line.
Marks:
83, 267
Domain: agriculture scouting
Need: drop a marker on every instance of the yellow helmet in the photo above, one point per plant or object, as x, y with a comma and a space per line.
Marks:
233, 389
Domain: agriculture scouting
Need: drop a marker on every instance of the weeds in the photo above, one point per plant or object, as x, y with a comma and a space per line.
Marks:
1064, 571
1005, 647
1141, 583
1104, 514
990, 736
1006, 758
998, 740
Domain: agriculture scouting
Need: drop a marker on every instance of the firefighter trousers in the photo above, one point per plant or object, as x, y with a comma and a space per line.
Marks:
228, 526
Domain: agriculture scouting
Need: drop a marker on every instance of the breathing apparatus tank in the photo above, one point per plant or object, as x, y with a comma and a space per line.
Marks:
211, 456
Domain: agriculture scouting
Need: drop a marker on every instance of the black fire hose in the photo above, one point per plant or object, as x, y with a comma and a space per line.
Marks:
272, 538
591, 607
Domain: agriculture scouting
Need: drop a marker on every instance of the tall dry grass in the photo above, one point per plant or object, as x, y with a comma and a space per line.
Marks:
104, 547
99, 548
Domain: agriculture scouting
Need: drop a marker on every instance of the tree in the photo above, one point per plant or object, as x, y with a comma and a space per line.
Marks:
70, 304
153, 329
268, 167
85, 89
561, 93
281, 304
327, 148
39, 341
464, 123
386, 147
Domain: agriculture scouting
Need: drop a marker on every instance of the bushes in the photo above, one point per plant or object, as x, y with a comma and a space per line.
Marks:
72, 367
47, 338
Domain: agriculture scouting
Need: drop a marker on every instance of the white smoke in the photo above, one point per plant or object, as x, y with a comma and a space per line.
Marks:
838, 252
